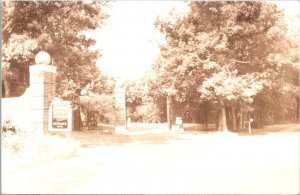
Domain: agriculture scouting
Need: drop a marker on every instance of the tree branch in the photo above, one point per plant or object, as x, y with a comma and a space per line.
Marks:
244, 62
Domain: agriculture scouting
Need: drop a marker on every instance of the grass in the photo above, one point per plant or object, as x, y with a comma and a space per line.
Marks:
25, 148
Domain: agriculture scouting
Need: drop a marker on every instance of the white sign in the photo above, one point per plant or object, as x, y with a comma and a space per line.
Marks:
60, 116
178, 121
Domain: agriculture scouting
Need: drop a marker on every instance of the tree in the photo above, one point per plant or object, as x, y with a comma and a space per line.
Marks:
224, 52
96, 101
141, 105
56, 27
279, 103
136, 94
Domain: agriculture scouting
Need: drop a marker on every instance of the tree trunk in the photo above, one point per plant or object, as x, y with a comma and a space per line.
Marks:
233, 118
222, 117
241, 120
3, 89
217, 119
8, 89
205, 118
77, 120
169, 112
194, 116
244, 120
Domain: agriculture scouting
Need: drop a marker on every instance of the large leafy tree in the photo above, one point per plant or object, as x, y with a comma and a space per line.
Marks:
226, 53
56, 27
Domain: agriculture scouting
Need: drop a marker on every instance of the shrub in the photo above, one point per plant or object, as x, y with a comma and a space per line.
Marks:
148, 112
103, 104
8, 126
9, 137
25, 146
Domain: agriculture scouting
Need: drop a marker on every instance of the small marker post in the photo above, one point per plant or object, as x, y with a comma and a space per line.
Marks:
249, 126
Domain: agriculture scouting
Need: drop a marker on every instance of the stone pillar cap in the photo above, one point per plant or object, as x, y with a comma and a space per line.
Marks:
42, 58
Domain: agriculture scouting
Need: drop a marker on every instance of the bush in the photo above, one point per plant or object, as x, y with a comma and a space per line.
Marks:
148, 112
25, 146
8, 126
103, 105
11, 140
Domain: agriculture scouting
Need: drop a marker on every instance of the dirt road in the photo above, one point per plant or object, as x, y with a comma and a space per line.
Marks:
170, 163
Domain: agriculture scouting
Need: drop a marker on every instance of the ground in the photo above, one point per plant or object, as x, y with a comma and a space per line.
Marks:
265, 162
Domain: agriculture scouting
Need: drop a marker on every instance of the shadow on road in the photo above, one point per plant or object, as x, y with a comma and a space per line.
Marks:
95, 138
282, 128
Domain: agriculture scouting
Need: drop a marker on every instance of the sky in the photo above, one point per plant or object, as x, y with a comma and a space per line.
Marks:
129, 42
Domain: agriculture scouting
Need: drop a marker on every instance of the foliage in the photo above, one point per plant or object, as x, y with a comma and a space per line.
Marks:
98, 97
24, 145
8, 136
56, 27
104, 104
140, 103
231, 87
224, 52
148, 112
136, 94
8, 126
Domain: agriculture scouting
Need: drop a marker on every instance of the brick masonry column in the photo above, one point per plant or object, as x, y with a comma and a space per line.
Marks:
41, 93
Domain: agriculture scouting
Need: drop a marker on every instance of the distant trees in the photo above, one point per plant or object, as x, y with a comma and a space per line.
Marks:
141, 106
97, 97
231, 56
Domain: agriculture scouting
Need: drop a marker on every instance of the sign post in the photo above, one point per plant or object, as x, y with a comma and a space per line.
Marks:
250, 121
179, 124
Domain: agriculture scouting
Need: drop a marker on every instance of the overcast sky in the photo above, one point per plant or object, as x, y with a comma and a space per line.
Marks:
129, 40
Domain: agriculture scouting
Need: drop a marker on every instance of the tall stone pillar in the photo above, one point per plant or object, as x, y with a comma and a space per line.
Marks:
120, 97
41, 91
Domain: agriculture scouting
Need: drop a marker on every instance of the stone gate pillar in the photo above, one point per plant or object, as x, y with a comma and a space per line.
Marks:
41, 91
120, 97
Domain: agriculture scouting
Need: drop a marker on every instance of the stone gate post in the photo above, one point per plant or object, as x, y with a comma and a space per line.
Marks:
121, 124
41, 90
120, 97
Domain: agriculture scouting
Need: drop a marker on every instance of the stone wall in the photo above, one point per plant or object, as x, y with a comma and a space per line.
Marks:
15, 110
31, 109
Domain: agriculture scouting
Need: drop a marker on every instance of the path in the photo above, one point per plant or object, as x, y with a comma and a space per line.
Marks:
172, 163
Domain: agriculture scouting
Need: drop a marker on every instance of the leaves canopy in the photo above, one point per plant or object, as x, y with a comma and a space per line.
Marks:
56, 27
225, 50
